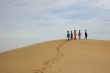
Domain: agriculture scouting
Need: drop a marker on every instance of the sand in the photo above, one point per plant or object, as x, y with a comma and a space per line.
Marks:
60, 56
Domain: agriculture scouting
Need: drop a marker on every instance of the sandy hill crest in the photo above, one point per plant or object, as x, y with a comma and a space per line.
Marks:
60, 56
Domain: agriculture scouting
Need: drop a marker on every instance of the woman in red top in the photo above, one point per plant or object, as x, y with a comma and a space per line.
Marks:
71, 35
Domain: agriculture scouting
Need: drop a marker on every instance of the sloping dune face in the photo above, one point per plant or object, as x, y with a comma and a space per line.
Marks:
61, 56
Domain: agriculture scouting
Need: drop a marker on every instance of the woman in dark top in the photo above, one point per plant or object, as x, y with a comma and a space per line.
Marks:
86, 34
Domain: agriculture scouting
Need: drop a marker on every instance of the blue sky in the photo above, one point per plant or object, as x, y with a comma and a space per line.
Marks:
25, 22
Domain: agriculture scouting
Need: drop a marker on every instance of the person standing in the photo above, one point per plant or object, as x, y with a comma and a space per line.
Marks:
75, 34
79, 35
71, 35
68, 35
86, 35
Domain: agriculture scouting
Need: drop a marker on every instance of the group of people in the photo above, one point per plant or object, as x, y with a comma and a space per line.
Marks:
73, 35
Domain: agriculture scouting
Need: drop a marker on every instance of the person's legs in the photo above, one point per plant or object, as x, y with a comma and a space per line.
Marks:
71, 37
75, 38
86, 36
68, 38
79, 37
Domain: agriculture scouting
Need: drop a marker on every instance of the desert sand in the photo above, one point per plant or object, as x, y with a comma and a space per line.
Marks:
60, 56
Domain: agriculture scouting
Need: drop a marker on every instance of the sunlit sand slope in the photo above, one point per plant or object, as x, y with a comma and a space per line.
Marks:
60, 56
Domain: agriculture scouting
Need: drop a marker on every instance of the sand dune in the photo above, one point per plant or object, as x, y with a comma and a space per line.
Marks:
60, 56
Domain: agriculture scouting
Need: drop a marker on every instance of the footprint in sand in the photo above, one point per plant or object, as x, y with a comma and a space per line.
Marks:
44, 68
59, 70
46, 63
42, 71
37, 71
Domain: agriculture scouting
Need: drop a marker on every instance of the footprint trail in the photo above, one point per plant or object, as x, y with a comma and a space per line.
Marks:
50, 62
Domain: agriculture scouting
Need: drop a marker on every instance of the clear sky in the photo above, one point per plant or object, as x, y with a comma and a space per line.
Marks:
24, 22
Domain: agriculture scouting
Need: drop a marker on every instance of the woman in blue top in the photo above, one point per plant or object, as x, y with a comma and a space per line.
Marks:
68, 35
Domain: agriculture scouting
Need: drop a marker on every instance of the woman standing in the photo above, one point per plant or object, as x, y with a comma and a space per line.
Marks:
79, 35
68, 35
86, 34
71, 35
75, 34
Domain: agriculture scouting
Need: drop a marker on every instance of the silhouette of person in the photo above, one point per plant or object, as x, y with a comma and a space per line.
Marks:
68, 35
71, 35
79, 34
86, 35
75, 34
